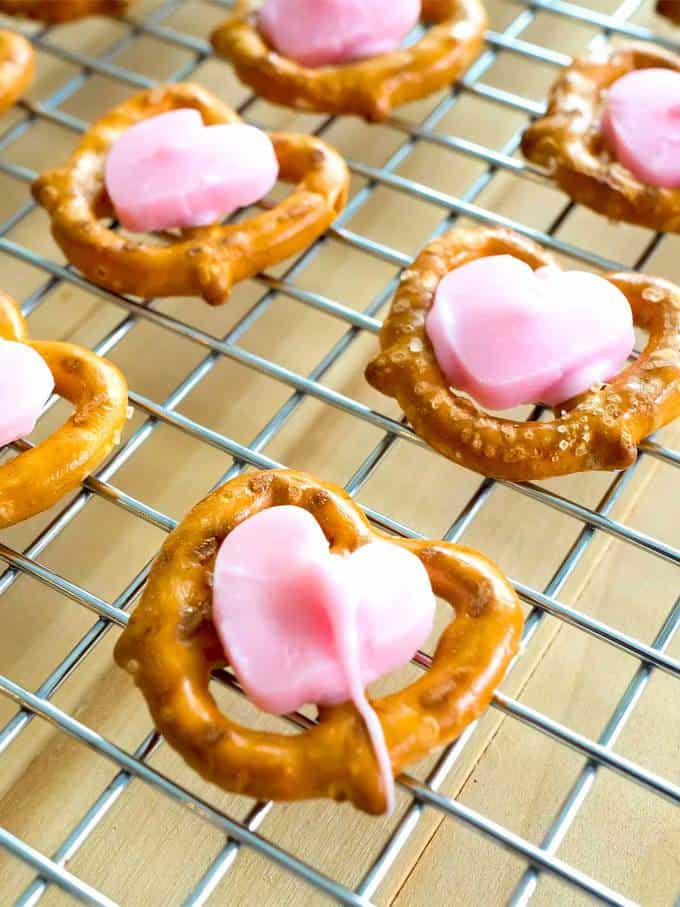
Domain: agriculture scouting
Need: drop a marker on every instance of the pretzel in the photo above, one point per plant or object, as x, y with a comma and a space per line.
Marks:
37, 478
568, 140
205, 261
369, 88
670, 9
170, 647
597, 430
53, 12
17, 67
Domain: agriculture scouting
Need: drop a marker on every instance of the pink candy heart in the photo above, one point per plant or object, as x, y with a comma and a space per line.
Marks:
301, 625
171, 171
508, 335
26, 384
642, 121
325, 32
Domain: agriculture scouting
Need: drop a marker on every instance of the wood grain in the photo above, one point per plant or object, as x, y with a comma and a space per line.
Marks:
147, 851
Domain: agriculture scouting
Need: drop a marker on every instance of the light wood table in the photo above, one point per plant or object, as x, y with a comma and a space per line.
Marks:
146, 850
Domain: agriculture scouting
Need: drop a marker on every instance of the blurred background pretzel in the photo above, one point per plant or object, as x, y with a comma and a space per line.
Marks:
37, 478
568, 141
53, 12
170, 647
369, 88
17, 67
204, 261
670, 9
597, 430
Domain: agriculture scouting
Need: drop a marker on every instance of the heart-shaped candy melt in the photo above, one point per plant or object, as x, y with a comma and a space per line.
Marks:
508, 335
642, 121
301, 625
26, 384
325, 32
172, 171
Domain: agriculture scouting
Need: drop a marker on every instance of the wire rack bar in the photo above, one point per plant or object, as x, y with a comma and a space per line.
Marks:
598, 753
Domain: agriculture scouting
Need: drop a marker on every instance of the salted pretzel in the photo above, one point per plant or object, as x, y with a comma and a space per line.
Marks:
568, 140
670, 9
53, 12
37, 478
170, 647
597, 430
369, 88
204, 261
17, 66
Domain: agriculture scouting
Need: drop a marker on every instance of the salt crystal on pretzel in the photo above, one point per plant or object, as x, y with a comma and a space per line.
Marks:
37, 478
171, 645
204, 261
599, 429
371, 87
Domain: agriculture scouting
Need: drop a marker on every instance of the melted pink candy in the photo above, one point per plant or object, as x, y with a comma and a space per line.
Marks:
326, 32
508, 335
642, 121
301, 625
171, 171
26, 384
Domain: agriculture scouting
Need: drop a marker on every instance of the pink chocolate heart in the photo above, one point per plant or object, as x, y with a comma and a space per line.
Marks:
301, 625
171, 171
508, 335
325, 32
642, 121
26, 384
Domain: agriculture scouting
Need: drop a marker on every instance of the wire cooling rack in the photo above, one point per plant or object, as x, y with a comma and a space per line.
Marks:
51, 870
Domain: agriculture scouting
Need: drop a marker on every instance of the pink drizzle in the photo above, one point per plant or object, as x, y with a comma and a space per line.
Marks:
301, 625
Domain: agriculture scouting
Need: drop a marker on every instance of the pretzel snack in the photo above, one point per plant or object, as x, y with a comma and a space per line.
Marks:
17, 67
568, 141
53, 12
670, 9
599, 429
37, 478
369, 88
204, 261
170, 647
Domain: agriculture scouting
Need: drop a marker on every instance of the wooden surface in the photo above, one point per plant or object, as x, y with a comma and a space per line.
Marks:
148, 852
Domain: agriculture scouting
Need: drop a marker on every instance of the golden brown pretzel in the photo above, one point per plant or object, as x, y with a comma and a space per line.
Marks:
598, 430
52, 12
205, 261
17, 66
670, 9
370, 88
568, 140
37, 478
170, 647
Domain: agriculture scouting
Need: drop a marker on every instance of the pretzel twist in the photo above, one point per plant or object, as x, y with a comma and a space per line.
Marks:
670, 9
53, 12
37, 478
205, 261
569, 142
370, 88
170, 647
17, 67
597, 430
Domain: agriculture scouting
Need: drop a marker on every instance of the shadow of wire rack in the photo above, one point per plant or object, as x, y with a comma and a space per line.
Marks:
50, 872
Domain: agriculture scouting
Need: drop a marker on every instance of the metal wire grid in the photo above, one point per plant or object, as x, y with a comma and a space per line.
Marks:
52, 869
